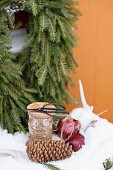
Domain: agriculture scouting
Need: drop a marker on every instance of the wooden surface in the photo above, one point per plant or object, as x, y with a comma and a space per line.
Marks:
95, 55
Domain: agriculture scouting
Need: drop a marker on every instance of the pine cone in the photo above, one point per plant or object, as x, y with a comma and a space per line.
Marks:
48, 150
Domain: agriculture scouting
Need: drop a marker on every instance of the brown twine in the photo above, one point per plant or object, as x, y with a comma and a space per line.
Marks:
40, 128
62, 130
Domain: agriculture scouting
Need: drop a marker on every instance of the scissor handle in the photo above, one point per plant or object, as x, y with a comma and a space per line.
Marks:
58, 112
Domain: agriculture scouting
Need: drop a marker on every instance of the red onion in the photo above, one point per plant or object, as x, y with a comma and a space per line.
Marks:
76, 140
68, 126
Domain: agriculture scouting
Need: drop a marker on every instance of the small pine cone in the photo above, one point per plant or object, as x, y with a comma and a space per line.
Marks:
48, 150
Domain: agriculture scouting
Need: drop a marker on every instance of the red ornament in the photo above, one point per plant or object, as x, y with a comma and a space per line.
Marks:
76, 140
68, 126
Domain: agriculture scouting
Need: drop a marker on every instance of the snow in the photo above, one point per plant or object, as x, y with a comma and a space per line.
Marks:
98, 147
18, 40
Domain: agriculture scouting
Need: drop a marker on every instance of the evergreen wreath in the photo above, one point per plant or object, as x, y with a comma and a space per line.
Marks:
41, 70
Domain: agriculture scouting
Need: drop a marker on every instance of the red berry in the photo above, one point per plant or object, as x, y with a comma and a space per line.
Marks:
76, 140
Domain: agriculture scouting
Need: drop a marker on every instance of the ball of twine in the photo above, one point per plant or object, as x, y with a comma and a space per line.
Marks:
40, 124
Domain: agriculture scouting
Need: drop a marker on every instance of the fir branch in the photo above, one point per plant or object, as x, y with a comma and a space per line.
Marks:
1, 110
53, 31
63, 66
62, 28
43, 44
41, 74
34, 7
43, 22
50, 58
14, 96
108, 164
50, 166
47, 59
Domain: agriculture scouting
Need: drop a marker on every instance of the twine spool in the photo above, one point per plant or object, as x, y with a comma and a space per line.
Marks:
40, 124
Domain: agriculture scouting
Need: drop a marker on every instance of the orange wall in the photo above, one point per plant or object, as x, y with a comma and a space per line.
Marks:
95, 55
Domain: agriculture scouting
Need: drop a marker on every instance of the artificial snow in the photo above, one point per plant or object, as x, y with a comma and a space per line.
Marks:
98, 147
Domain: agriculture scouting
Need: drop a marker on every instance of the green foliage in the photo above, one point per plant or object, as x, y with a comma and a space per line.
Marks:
50, 166
4, 3
49, 59
14, 96
108, 164
44, 64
